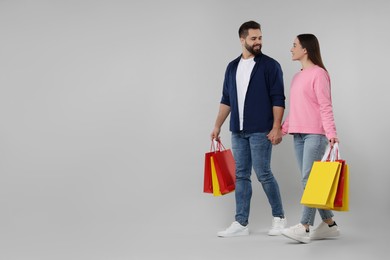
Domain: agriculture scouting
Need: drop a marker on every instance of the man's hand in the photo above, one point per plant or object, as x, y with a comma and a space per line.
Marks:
215, 133
275, 136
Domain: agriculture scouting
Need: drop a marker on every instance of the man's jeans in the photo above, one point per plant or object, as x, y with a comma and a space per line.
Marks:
254, 150
310, 148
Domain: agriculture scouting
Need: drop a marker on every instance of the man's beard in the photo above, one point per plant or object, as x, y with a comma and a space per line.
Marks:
252, 49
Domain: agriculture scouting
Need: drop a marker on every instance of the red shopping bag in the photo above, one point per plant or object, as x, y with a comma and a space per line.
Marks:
338, 201
222, 161
341, 201
345, 198
207, 181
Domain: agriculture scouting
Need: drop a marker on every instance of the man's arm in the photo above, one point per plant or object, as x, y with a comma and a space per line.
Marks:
275, 135
223, 113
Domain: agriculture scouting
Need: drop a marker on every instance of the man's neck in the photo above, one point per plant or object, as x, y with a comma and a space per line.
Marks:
247, 55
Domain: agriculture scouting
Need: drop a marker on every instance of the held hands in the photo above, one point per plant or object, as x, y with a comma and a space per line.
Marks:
275, 136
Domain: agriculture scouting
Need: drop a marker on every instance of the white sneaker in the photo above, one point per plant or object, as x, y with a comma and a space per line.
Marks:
324, 231
235, 230
278, 224
298, 233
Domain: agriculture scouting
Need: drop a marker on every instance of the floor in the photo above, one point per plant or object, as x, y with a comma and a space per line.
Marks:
204, 245
117, 238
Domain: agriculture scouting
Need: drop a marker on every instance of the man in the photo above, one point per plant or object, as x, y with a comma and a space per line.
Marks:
253, 95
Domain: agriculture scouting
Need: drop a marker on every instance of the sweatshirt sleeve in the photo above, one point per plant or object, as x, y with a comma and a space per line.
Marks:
323, 92
285, 126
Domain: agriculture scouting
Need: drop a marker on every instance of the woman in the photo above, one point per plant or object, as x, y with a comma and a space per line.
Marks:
310, 121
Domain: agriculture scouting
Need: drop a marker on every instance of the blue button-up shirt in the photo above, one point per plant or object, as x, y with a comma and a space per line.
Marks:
265, 90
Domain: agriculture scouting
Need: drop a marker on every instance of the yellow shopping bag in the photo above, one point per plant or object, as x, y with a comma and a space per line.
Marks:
214, 179
321, 186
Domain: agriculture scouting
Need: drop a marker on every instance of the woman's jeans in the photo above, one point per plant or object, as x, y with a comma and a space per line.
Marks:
310, 148
254, 150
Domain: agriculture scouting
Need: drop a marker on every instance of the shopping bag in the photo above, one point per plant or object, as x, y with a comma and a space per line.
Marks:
207, 180
338, 201
321, 186
225, 168
341, 202
219, 173
214, 179
345, 195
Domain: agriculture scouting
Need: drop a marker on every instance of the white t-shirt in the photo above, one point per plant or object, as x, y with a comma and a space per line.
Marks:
244, 70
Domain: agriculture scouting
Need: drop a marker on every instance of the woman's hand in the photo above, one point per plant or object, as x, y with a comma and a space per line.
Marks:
332, 141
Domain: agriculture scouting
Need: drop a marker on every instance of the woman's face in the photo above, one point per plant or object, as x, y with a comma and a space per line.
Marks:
297, 51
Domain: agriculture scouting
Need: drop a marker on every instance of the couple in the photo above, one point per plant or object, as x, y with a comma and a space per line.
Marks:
253, 95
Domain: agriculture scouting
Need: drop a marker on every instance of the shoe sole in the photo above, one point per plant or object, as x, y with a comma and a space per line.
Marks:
234, 235
274, 233
298, 239
331, 235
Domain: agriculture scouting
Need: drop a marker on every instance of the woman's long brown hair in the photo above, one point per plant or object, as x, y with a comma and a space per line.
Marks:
312, 46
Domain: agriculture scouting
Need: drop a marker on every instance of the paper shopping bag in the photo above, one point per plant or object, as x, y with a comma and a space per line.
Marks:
321, 186
214, 179
345, 198
328, 183
207, 180
338, 201
219, 171
225, 170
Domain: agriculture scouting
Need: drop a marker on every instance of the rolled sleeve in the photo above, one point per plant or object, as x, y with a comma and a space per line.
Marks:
225, 90
275, 78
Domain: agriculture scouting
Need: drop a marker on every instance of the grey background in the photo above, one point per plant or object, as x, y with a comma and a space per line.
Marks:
106, 109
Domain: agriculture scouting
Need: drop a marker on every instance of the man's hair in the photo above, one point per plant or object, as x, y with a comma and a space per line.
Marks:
243, 31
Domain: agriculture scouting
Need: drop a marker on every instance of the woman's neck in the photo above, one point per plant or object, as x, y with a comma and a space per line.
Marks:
306, 63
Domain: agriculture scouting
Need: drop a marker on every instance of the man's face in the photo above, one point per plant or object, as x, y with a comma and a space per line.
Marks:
253, 41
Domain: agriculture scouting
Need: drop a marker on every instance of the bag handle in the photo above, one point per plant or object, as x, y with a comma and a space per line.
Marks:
217, 146
331, 153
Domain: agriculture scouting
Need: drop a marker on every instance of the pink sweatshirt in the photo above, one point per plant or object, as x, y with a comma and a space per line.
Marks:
310, 109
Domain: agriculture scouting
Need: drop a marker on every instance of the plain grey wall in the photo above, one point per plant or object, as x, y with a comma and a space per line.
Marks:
106, 109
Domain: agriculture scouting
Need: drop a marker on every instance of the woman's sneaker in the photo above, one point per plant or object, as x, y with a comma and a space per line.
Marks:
325, 231
297, 233
235, 230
